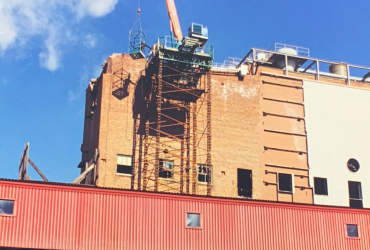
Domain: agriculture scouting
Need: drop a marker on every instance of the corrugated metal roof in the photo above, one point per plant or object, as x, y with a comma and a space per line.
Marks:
79, 217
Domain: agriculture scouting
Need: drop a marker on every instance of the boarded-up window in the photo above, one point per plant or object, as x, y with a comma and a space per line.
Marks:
124, 164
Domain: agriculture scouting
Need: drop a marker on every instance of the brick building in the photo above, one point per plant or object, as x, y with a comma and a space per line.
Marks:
265, 134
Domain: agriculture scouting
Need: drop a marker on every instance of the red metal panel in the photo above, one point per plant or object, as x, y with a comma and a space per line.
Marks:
70, 217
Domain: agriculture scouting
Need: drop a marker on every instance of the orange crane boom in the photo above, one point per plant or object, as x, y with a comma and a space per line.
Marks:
174, 19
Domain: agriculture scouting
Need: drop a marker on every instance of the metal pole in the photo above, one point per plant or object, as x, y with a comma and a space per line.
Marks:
158, 124
187, 142
286, 65
209, 131
194, 162
317, 70
133, 154
348, 76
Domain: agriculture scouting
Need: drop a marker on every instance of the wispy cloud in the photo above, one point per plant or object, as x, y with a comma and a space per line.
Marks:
71, 95
90, 41
51, 20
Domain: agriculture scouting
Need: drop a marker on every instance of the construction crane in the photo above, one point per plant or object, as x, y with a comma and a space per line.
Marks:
174, 19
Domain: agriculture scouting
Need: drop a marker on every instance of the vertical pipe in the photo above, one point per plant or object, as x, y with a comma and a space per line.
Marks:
133, 165
286, 65
317, 71
158, 124
348, 76
146, 147
209, 131
187, 142
194, 161
253, 61
182, 165
139, 173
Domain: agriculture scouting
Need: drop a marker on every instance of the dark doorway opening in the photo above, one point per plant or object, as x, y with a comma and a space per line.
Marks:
245, 182
355, 194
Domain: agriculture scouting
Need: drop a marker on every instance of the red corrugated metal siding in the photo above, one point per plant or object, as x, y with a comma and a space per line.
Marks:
64, 217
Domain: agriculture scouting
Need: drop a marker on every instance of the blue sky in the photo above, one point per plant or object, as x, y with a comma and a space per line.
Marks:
50, 49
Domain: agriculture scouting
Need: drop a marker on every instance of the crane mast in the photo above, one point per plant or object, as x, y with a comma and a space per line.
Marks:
174, 19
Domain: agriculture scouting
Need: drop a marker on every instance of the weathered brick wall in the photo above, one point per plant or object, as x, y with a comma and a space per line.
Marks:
257, 124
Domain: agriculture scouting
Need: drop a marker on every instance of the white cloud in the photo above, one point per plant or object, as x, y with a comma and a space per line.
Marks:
90, 41
95, 8
51, 20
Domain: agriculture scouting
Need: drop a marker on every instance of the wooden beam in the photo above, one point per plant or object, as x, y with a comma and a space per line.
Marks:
83, 175
23, 163
37, 170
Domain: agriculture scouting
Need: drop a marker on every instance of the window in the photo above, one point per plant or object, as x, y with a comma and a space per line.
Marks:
321, 186
352, 231
124, 164
166, 168
355, 194
285, 182
353, 165
192, 220
202, 173
6, 207
245, 183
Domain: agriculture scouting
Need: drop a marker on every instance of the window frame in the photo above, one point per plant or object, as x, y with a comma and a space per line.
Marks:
123, 174
14, 207
211, 171
291, 183
326, 184
358, 231
200, 220
355, 199
161, 164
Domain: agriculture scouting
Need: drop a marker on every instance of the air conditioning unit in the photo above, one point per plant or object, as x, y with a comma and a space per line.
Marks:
243, 70
198, 31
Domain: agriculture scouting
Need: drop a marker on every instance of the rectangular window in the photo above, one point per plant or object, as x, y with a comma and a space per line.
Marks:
166, 168
321, 186
285, 182
6, 207
352, 231
202, 173
245, 183
355, 194
124, 164
192, 220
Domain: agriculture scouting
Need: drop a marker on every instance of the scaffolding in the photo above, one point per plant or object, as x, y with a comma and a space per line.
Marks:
172, 119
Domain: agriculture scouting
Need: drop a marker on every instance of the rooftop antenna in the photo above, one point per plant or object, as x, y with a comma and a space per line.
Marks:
137, 39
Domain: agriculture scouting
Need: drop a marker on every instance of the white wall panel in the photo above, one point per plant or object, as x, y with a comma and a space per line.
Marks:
338, 128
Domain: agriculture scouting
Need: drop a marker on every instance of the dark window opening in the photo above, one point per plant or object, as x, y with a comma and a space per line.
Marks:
193, 220
352, 231
124, 164
203, 174
353, 165
121, 169
355, 194
321, 186
285, 182
245, 183
166, 168
6, 207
